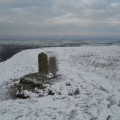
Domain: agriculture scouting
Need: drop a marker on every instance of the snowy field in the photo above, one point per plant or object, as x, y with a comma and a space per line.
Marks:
89, 85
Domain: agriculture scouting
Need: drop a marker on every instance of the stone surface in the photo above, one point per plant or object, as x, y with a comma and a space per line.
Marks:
43, 65
31, 82
53, 66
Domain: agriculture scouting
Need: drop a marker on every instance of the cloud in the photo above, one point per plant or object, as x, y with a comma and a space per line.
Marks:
59, 17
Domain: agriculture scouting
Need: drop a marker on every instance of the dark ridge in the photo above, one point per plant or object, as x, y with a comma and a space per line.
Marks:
8, 51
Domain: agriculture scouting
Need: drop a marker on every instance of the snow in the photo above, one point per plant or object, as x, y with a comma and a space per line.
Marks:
91, 70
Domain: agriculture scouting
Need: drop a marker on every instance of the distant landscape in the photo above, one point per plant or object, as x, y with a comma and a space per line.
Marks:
11, 46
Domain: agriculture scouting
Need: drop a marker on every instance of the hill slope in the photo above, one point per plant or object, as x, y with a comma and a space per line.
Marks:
89, 85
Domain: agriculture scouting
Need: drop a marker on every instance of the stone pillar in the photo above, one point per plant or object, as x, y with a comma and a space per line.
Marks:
43, 65
53, 66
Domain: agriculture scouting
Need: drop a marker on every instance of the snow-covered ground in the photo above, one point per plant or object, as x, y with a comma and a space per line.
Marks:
92, 71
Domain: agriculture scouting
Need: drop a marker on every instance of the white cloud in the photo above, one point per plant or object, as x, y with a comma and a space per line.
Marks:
85, 14
115, 4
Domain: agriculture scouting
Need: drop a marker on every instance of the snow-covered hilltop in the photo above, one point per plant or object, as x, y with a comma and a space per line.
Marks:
89, 85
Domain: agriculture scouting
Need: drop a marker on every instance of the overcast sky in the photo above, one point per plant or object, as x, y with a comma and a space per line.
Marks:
59, 17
